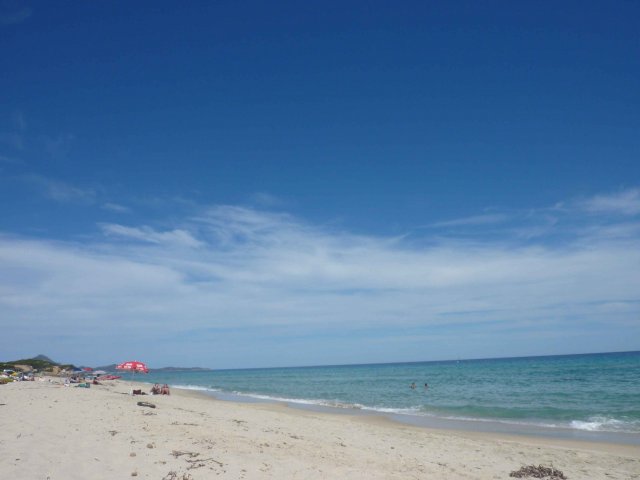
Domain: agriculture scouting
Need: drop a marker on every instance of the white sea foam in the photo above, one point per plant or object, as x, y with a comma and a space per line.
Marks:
398, 411
301, 401
606, 424
199, 388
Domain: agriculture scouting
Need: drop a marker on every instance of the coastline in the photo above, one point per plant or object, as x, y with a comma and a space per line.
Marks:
393, 421
525, 430
585, 397
100, 432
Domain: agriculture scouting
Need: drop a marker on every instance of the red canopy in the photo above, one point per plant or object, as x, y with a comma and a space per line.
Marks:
134, 366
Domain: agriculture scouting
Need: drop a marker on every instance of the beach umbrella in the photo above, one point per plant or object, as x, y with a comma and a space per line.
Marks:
134, 366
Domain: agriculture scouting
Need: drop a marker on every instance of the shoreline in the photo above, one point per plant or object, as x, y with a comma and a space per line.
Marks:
525, 430
392, 421
56, 432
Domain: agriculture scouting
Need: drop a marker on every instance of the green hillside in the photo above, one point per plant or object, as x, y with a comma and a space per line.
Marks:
40, 363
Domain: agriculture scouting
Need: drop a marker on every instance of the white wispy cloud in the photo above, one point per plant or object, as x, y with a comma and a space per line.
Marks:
626, 202
146, 234
115, 207
267, 200
228, 279
60, 191
486, 219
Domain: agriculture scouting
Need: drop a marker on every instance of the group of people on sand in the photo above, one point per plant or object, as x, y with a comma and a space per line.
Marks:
81, 381
160, 390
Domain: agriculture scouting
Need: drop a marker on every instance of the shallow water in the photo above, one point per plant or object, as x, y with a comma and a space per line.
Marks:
596, 394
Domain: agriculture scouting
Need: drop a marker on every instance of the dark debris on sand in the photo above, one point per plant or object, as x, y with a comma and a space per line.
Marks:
176, 476
538, 472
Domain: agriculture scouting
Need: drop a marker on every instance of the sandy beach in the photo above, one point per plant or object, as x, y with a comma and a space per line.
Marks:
53, 432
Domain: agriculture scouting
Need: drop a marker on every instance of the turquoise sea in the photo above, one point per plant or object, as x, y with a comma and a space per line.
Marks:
593, 396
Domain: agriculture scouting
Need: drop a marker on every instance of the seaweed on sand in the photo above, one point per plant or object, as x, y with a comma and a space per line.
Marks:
538, 472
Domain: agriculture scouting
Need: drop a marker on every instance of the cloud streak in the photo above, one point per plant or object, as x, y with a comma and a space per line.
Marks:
60, 191
487, 219
146, 234
115, 207
228, 280
626, 202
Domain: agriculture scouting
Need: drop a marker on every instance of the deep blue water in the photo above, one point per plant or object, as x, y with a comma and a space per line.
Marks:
594, 392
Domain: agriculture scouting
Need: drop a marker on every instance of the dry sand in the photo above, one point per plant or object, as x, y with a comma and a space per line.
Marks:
48, 431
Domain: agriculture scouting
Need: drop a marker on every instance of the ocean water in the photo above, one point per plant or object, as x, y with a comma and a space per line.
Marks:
568, 394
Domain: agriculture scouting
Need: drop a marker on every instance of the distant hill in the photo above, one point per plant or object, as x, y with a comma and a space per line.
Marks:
45, 358
40, 363
107, 368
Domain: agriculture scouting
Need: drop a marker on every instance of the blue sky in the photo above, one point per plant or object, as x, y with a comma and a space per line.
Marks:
237, 184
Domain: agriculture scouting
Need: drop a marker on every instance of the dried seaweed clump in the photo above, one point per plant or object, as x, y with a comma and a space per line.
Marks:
538, 472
